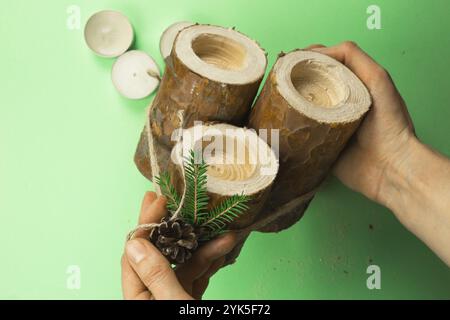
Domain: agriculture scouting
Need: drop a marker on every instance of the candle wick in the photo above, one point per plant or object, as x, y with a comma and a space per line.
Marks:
153, 74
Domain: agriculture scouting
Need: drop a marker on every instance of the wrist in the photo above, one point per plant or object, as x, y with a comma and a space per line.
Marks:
415, 187
400, 177
409, 184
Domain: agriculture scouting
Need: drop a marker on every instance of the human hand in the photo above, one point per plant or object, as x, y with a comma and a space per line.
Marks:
383, 139
146, 273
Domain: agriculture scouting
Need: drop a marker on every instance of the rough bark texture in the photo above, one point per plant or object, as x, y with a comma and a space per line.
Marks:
142, 158
307, 150
231, 257
200, 98
294, 214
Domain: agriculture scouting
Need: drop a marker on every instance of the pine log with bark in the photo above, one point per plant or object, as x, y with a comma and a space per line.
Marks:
212, 74
316, 103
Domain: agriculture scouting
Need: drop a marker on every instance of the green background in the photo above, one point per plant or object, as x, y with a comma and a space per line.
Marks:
69, 191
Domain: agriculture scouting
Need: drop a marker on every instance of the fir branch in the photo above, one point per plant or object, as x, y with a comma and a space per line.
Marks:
168, 190
227, 211
196, 198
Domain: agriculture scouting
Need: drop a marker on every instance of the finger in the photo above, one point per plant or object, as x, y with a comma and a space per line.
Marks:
149, 197
132, 286
355, 59
199, 286
152, 214
153, 208
154, 270
202, 260
314, 46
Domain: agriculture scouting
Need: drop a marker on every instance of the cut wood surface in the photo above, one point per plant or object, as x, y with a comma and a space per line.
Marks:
239, 162
212, 74
169, 35
316, 103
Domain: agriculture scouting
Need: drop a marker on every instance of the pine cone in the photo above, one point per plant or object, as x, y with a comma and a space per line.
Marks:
175, 239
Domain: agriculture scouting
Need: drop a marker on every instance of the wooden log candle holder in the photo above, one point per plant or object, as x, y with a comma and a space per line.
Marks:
239, 162
212, 75
316, 103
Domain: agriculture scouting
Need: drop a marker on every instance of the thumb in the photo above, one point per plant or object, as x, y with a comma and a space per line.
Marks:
154, 270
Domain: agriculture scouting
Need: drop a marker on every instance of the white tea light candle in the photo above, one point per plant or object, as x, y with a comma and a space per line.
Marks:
135, 75
108, 33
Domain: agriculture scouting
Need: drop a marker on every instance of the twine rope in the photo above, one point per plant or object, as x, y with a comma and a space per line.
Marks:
155, 172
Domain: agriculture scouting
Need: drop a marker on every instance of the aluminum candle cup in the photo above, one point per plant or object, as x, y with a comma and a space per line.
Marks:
135, 75
108, 33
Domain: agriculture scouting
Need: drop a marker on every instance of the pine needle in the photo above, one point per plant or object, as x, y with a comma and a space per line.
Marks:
196, 199
227, 211
168, 190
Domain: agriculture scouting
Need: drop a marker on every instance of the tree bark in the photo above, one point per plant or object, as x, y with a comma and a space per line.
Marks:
316, 112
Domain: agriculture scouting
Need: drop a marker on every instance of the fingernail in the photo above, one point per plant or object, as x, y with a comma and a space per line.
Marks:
135, 251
